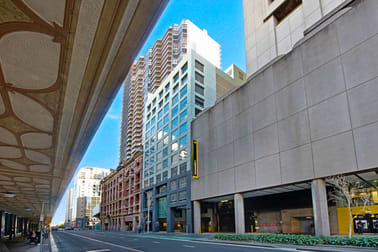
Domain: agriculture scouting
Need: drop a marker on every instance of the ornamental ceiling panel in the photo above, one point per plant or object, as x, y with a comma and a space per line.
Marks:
61, 63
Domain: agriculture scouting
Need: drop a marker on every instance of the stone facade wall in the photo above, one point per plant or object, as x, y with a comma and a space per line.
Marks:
311, 114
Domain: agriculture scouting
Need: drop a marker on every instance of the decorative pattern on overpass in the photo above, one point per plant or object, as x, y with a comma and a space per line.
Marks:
61, 64
33, 48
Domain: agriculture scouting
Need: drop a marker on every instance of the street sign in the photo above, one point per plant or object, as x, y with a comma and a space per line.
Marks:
41, 217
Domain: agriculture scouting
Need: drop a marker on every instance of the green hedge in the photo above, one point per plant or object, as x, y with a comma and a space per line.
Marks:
361, 241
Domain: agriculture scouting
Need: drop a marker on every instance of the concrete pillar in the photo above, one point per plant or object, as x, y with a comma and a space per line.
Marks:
320, 207
239, 213
189, 219
197, 216
155, 211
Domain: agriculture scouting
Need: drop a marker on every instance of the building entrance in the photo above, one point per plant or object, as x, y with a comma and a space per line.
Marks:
180, 220
218, 216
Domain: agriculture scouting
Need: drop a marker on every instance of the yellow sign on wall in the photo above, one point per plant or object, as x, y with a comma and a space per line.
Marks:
343, 216
195, 159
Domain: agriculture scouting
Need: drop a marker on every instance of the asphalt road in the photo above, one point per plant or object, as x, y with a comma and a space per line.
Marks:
74, 241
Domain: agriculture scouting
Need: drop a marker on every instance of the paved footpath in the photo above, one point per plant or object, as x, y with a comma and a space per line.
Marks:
90, 241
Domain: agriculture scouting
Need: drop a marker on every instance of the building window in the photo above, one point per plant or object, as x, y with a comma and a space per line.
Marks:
199, 89
173, 184
182, 195
184, 68
166, 119
183, 141
199, 77
166, 108
160, 134
174, 147
199, 65
175, 99
159, 156
154, 102
161, 94
160, 145
160, 124
167, 87
153, 120
151, 181
183, 115
285, 9
174, 135
174, 111
197, 111
183, 128
173, 197
161, 104
165, 175
160, 114
166, 97
175, 88
165, 130
182, 182
162, 189
183, 103
183, 91
176, 77
174, 123
165, 163
148, 126
158, 178
165, 152
183, 168
174, 159
174, 171
165, 140
184, 79
158, 167
199, 101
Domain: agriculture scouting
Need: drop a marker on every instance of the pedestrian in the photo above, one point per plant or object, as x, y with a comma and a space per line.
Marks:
33, 237
360, 227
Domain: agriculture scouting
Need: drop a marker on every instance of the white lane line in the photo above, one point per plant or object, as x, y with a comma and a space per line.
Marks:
187, 246
107, 243
224, 244
54, 248
156, 242
98, 250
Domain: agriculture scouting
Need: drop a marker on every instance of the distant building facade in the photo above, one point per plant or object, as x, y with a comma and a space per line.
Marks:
69, 206
86, 195
148, 72
121, 190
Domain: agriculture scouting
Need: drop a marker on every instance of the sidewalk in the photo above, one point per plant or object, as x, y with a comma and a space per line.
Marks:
21, 245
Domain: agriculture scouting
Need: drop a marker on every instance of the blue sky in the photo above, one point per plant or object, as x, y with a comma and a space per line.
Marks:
223, 20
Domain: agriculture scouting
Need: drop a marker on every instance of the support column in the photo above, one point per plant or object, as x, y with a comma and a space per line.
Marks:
197, 216
189, 219
239, 213
155, 211
320, 207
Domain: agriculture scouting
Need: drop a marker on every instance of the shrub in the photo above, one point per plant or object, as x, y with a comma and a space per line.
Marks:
361, 241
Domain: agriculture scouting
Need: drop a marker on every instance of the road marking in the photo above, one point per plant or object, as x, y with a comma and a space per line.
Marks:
54, 248
187, 246
156, 242
107, 243
98, 250
223, 244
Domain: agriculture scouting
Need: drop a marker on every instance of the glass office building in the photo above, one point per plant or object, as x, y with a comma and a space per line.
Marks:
189, 89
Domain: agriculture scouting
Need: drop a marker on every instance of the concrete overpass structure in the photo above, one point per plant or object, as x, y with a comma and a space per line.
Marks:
61, 64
